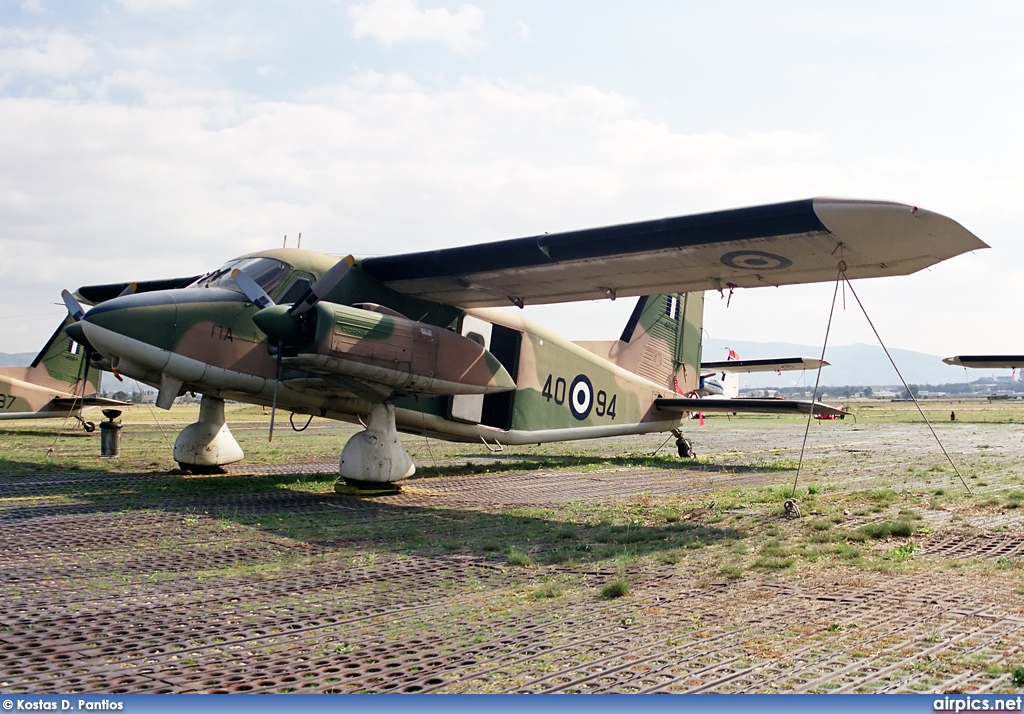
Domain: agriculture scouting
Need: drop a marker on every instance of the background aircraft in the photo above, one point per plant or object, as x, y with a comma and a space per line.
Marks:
52, 386
411, 342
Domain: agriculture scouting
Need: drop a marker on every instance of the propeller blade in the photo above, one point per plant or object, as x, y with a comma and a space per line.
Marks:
277, 381
74, 309
257, 296
321, 287
86, 359
129, 289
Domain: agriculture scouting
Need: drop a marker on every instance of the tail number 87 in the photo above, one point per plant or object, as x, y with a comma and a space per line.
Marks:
579, 394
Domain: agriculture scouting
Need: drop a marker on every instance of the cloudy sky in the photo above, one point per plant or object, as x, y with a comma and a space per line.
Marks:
153, 138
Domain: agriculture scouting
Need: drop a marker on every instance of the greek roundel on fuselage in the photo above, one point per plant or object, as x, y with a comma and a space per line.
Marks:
581, 397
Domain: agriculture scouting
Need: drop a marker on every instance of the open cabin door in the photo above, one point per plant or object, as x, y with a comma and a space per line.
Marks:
470, 407
494, 409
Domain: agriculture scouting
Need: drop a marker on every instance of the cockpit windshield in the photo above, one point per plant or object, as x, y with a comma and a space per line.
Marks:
267, 272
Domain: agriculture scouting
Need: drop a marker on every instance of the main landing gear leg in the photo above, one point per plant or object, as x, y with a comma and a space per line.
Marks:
207, 445
375, 458
683, 445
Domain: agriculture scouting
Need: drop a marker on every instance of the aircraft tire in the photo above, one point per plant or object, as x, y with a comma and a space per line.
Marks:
202, 469
89, 426
685, 448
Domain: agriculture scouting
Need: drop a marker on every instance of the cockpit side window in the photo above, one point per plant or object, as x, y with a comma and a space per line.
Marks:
267, 272
294, 292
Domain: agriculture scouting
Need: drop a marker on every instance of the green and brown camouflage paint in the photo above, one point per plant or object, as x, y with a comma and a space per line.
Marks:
562, 390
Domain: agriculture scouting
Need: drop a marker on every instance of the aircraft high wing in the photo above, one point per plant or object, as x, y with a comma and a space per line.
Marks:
413, 343
779, 244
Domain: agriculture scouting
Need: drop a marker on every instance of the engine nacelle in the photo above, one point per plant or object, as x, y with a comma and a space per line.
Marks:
395, 351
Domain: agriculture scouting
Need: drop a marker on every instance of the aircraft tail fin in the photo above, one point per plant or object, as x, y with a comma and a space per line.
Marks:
662, 340
59, 364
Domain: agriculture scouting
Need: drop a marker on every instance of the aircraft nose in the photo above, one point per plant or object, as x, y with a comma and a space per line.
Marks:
76, 332
147, 317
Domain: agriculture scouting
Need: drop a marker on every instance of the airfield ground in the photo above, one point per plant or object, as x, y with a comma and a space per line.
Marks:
588, 567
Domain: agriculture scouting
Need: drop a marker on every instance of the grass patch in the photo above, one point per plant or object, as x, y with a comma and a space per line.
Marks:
519, 559
615, 589
547, 591
885, 529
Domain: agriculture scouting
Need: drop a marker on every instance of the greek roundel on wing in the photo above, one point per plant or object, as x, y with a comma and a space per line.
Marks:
755, 260
581, 397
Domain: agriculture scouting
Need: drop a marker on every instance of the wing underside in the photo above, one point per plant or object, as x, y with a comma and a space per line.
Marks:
798, 242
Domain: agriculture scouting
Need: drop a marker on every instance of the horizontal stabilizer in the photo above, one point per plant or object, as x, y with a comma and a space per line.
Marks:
779, 244
987, 361
742, 404
784, 364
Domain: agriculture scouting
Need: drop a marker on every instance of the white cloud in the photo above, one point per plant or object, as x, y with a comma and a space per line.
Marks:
186, 178
53, 54
395, 21
144, 6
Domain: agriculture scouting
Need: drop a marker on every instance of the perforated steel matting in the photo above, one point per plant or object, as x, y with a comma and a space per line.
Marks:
195, 593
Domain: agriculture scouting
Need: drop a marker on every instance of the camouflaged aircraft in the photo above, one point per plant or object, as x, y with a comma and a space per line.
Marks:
413, 342
54, 385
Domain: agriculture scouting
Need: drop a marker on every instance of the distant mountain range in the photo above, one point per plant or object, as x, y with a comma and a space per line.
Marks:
16, 359
855, 365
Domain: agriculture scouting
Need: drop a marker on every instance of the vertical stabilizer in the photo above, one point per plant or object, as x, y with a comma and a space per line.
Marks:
59, 364
662, 339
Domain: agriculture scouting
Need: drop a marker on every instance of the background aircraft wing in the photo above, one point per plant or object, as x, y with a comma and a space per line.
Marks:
95, 294
782, 364
743, 404
89, 401
987, 361
779, 244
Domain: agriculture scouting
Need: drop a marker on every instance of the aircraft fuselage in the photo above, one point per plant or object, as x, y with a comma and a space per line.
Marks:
479, 374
